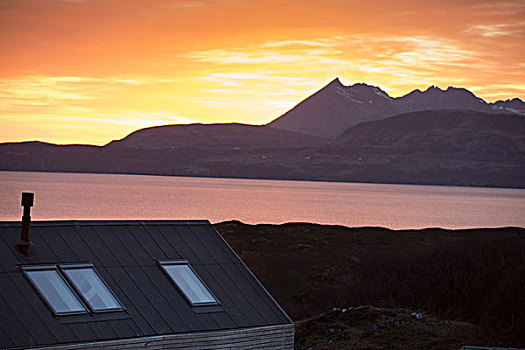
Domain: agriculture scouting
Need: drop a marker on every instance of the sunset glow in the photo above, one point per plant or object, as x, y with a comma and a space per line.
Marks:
90, 71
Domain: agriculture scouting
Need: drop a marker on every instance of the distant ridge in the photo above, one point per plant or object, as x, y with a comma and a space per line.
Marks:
438, 147
229, 136
446, 133
335, 108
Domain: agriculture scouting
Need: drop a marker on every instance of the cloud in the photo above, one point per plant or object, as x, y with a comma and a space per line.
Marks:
500, 91
235, 79
499, 8
322, 42
236, 56
396, 63
495, 30
140, 119
59, 89
338, 50
320, 51
395, 56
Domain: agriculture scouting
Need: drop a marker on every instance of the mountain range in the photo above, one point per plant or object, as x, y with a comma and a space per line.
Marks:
335, 108
439, 137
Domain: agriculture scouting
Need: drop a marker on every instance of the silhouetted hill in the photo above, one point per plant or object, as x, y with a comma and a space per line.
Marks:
515, 105
436, 99
335, 108
215, 136
430, 147
217, 150
477, 134
435, 147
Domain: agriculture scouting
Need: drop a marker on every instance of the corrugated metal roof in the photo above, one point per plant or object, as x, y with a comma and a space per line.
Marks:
125, 254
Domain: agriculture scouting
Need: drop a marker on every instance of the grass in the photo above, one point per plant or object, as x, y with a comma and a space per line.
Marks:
472, 276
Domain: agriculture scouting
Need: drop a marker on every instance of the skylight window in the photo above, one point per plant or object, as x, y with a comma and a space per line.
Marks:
55, 290
72, 289
188, 282
92, 289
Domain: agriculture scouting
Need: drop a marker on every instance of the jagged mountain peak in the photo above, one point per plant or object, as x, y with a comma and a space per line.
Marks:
336, 107
434, 88
450, 89
415, 92
363, 87
460, 90
513, 101
336, 81
334, 84
515, 105
357, 87
453, 88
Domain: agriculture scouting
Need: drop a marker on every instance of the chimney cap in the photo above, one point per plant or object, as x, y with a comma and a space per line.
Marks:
27, 199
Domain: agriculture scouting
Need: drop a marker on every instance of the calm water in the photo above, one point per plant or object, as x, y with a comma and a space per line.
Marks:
103, 196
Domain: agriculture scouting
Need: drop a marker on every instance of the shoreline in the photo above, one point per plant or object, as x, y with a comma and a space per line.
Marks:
263, 179
366, 227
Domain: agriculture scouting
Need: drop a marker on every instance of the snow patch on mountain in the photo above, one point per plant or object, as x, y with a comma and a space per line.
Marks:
381, 93
342, 92
515, 111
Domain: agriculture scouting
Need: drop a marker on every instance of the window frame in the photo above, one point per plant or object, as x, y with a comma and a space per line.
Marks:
60, 269
63, 267
163, 263
29, 268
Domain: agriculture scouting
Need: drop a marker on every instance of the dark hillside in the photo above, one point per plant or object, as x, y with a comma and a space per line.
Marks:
232, 136
450, 131
434, 147
429, 148
475, 275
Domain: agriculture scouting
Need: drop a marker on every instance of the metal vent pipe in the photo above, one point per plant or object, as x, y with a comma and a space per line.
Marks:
27, 203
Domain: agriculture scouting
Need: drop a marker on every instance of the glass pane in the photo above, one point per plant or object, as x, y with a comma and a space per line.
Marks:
89, 284
190, 284
57, 293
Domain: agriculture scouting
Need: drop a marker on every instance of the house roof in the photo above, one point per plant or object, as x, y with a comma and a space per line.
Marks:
125, 253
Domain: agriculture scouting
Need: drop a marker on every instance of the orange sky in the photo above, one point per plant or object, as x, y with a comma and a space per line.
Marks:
90, 71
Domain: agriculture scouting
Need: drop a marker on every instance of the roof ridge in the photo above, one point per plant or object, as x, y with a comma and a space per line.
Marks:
107, 222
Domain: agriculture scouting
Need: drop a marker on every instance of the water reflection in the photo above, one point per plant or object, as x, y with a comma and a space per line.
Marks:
105, 196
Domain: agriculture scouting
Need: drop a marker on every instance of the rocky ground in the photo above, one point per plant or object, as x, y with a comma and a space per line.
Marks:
368, 327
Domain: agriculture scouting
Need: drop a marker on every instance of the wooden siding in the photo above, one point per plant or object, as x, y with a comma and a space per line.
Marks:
467, 347
268, 337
